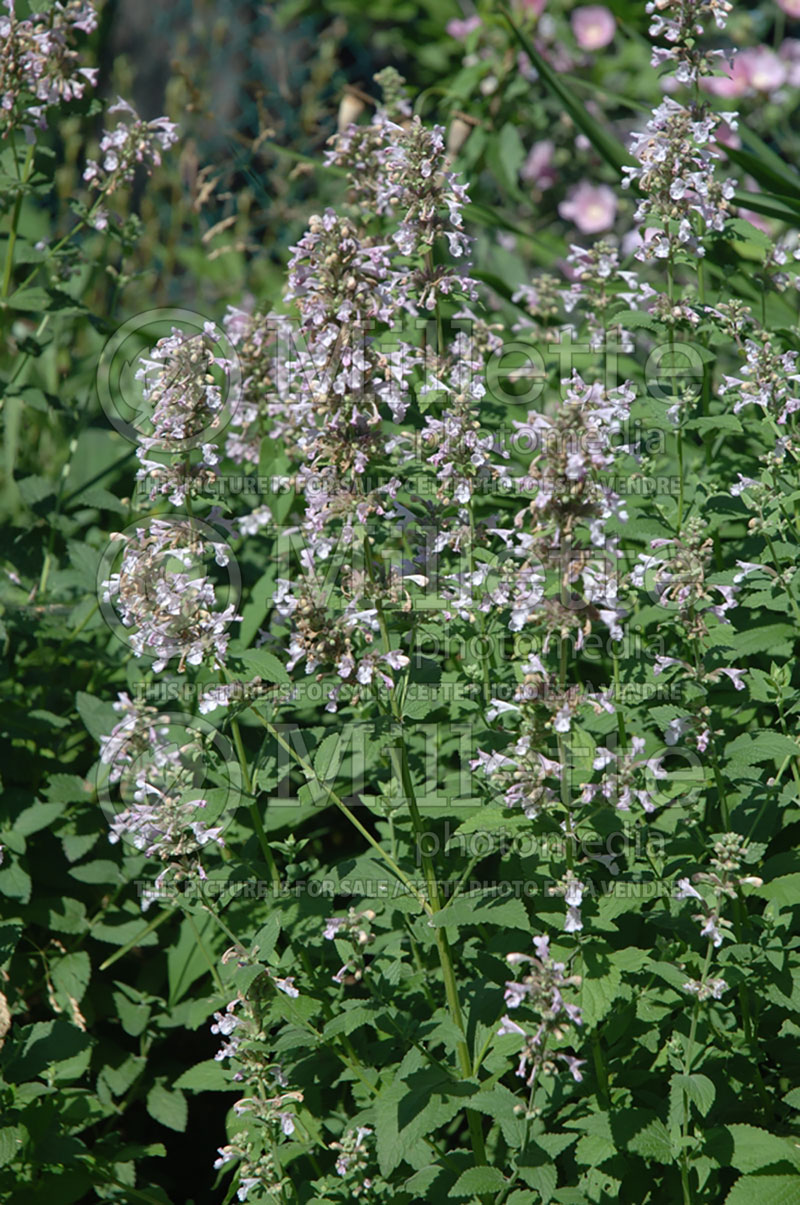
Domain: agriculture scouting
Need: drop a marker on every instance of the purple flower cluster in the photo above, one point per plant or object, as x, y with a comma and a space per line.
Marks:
132, 143
39, 67
540, 992
157, 777
163, 594
676, 175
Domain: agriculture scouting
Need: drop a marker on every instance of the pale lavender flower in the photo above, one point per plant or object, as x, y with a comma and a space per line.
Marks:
170, 611
133, 142
735, 676
39, 65
574, 1065
540, 989
676, 177
712, 988
183, 402
286, 986
157, 775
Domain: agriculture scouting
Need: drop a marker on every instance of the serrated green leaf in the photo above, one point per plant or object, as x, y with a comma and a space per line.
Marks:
784, 891
168, 1108
477, 1180
653, 1142
265, 665
208, 1076
765, 1190
71, 974
698, 1089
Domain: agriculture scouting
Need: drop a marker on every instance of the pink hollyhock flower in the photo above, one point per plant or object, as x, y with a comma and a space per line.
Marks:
790, 7
462, 29
790, 55
538, 167
763, 69
594, 27
757, 69
729, 86
592, 207
536, 7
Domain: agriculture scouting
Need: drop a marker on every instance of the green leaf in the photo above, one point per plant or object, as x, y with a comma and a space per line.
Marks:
346, 1021
265, 665
486, 909
133, 1014
715, 423
506, 156
477, 1180
168, 1108
404, 1112
653, 1142
102, 499
543, 1178
67, 788
35, 489
97, 714
15, 882
769, 157
771, 207
188, 958
51, 1049
33, 299
100, 870
769, 638
327, 758
754, 1148
765, 746
776, 184
208, 1076
71, 974
500, 1104
593, 1149
765, 1190
116, 1080
748, 233
784, 891
699, 1089
267, 936
599, 990
11, 1140
10, 933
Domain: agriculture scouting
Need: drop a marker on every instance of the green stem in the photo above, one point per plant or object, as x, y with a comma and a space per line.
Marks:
442, 947
346, 811
687, 1063
12, 234
212, 965
252, 806
130, 945
623, 737
680, 481
562, 757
